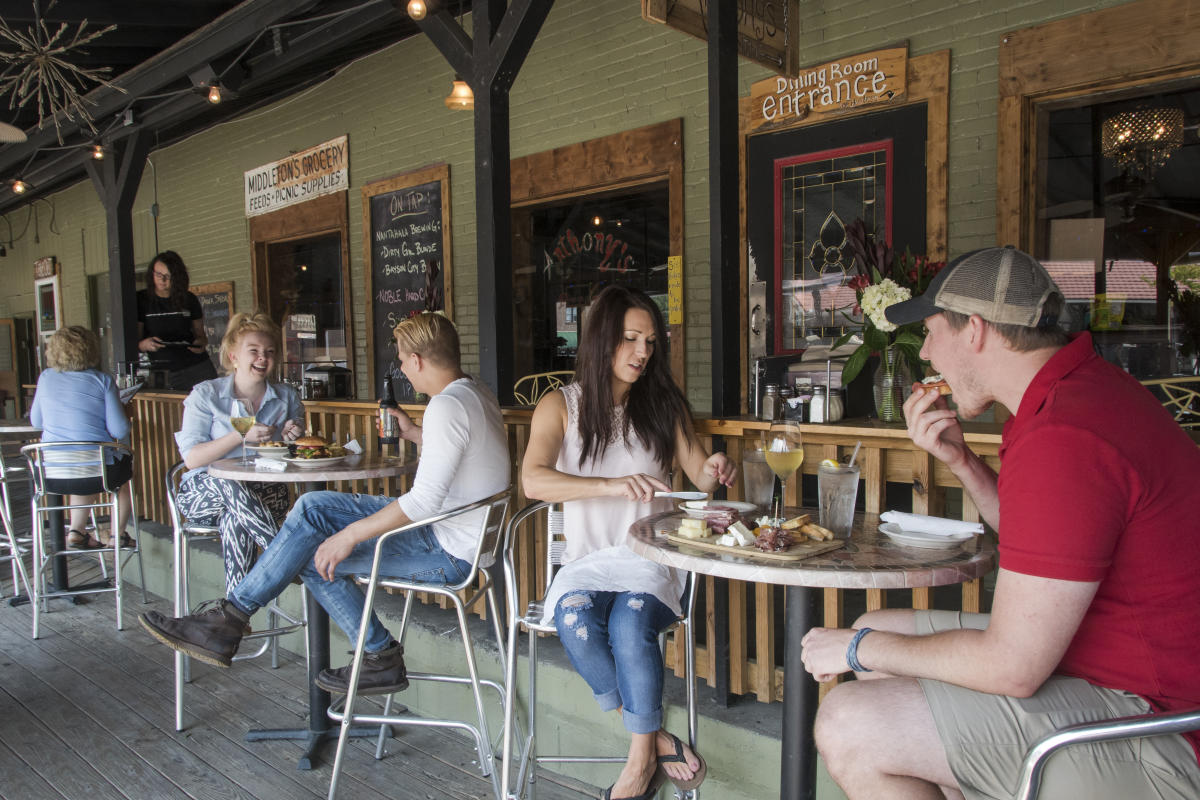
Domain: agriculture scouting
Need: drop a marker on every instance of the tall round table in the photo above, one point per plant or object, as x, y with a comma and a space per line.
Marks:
354, 467
869, 560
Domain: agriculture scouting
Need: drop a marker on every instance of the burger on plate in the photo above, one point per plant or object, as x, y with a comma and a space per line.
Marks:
310, 447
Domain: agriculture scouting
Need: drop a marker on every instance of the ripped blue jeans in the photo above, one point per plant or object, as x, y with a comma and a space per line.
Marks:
612, 641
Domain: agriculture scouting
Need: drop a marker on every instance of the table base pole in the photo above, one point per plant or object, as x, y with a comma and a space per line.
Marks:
313, 739
798, 764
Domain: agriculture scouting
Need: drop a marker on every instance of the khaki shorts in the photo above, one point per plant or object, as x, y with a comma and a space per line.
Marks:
986, 736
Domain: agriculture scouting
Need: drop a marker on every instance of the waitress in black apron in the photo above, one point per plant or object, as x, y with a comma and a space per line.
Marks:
171, 324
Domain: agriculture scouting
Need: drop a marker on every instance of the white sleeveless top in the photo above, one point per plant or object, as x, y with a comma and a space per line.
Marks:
596, 529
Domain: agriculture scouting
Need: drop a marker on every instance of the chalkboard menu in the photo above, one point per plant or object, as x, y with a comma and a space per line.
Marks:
216, 299
407, 247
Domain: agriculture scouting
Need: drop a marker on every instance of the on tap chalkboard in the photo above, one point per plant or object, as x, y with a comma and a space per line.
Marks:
406, 244
216, 300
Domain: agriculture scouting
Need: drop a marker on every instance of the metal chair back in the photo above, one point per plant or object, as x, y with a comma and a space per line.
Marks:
477, 585
531, 621
529, 389
1106, 731
10, 472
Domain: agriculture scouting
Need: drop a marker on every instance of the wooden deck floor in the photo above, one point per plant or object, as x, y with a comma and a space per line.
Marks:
86, 713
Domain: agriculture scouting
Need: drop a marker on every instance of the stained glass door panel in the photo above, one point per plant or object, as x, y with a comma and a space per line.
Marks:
816, 196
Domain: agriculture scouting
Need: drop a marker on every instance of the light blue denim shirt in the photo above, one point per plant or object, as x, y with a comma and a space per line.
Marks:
206, 413
80, 406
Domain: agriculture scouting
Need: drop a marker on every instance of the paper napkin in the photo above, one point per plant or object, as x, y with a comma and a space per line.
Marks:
937, 526
352, 446
270, 465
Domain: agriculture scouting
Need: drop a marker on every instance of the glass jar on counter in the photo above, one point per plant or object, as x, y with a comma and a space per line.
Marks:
837, 405
816, 408
772, 406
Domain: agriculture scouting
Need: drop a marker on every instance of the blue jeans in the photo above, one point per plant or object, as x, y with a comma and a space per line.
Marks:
415, 555
612, 641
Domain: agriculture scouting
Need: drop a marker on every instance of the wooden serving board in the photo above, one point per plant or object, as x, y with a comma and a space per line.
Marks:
796, 552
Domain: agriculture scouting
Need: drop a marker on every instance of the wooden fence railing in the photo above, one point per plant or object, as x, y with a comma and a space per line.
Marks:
755, 615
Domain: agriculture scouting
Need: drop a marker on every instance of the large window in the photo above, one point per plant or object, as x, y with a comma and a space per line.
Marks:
305, 298
1117, 219
575, 248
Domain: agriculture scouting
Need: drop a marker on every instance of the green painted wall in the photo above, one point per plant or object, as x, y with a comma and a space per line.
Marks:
596, 69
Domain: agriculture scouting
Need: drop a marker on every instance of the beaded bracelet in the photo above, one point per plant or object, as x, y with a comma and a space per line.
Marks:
852, 650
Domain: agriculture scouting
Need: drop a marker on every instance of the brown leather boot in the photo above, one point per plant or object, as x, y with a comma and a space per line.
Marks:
381, 673
212, 634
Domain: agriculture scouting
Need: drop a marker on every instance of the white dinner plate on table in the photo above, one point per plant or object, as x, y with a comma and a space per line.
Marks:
268, 452
927, 540
314, 463
703, 508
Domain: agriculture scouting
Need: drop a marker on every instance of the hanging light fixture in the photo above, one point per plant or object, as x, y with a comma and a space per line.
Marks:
461, 98
19, 186
1142, 140
214, 94
419, 9
98, 152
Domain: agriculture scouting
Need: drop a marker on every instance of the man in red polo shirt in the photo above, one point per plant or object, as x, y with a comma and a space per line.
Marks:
1096, 612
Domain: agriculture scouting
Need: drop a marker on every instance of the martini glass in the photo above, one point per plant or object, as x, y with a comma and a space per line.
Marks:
784, 453
241, 417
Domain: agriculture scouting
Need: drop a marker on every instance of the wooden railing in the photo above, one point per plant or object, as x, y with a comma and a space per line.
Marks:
755, 637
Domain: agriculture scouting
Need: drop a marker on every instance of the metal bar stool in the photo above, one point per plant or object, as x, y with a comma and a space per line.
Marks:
44, 459
531, 622
185, 534
13, 547
491, 511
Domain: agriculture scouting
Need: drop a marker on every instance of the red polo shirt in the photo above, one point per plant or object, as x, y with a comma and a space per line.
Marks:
1099, 483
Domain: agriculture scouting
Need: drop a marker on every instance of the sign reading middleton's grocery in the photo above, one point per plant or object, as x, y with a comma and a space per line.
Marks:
319, 170
768, 30
876, 77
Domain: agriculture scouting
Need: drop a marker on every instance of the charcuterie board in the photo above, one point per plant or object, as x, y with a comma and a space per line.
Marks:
796, 552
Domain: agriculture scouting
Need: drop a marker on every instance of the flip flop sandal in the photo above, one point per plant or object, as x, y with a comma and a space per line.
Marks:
697, 777
78, 540
656, 783
127, 542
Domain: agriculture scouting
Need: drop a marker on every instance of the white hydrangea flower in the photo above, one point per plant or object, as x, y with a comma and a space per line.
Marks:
877, 297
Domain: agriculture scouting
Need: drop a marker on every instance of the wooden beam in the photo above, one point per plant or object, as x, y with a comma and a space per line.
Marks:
116, 180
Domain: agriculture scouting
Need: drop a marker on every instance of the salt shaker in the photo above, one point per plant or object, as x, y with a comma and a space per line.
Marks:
837, 406
772, 408
816, 408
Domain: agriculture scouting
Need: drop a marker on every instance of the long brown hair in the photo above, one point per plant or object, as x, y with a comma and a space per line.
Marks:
179, 277
655, 408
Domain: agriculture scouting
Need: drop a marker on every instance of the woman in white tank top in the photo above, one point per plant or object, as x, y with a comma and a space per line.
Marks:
602, 446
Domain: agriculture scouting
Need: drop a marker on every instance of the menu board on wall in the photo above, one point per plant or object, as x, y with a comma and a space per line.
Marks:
216, 300
406, 250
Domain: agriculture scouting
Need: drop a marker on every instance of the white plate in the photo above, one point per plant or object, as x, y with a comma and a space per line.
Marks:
314, 463
700, 508
268, 452
927, 540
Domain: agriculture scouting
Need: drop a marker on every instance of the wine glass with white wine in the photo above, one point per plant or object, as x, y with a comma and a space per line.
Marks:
784, 454
241, 417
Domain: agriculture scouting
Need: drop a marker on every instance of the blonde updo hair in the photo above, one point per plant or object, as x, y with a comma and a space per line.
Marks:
431, 336
73, 349
241, 324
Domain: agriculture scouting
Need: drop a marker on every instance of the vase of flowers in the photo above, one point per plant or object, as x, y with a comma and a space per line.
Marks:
883, 278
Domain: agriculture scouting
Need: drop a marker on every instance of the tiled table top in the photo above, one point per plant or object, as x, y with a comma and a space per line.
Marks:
869, 560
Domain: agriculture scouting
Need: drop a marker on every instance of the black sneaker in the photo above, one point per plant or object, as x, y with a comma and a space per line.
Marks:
212, 634
381, 673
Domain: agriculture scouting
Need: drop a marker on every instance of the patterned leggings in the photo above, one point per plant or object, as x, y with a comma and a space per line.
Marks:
248, 516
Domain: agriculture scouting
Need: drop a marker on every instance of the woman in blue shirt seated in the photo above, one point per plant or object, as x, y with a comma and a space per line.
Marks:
76, 402
246, 513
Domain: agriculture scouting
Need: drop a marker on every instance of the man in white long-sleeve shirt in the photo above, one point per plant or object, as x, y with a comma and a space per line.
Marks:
328, 536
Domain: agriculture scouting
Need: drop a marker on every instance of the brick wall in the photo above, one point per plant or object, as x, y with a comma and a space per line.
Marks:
596, 69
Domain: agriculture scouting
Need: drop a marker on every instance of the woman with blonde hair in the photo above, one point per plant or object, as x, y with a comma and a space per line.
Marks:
246, 513
76, 402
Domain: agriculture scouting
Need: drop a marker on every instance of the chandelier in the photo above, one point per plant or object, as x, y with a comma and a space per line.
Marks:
1142, 140
37, 67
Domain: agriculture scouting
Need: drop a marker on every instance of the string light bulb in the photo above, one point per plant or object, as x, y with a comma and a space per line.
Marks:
214, 94
418, 9
19, 186
98, 152
461, 98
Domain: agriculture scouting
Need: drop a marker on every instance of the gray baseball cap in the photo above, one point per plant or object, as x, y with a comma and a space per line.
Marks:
1000, 284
